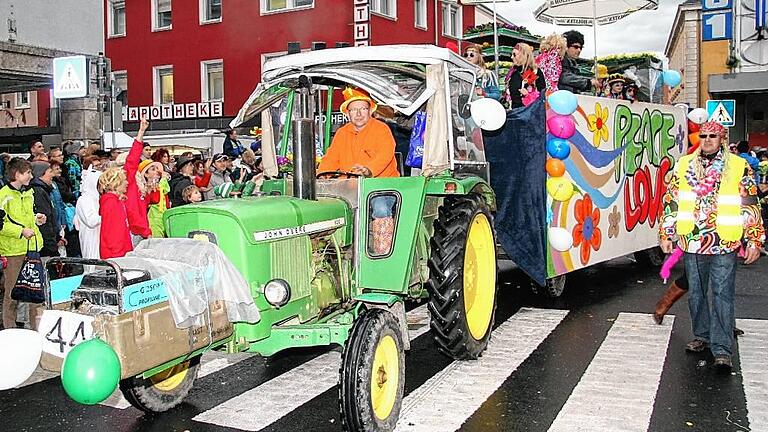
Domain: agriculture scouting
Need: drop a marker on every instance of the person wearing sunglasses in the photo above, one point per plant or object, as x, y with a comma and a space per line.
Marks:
569, 78
487, 84
710, 207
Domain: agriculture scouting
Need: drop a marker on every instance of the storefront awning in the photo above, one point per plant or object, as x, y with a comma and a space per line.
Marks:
739, 82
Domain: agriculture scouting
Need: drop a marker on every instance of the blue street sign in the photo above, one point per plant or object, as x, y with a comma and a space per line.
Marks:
722, 111
717, 25
760, 14
708, 5
70, 77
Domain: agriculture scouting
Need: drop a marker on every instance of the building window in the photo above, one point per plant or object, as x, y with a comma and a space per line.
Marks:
452, 20
210, 11
22, 100
163, 85
212, 80
284, 5
116, 17
161, 11
420, 19
120, 79
384, 7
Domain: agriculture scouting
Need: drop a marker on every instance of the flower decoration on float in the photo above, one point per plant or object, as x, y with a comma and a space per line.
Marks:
598, 124
586, 233
614, 221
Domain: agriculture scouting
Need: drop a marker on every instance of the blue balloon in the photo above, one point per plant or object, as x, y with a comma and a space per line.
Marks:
558, 148
563, 102
671, 77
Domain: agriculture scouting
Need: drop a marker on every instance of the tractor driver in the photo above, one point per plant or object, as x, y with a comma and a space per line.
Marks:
365, 146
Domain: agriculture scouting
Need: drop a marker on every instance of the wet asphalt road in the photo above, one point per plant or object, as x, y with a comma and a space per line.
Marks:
690, 396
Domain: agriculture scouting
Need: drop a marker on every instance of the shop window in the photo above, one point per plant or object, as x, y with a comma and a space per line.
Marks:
212, 80
121, 86
383, 209
269, 6
452, 20
163, 85
420, 13
384, 7
161, 10
116, 18
210, 11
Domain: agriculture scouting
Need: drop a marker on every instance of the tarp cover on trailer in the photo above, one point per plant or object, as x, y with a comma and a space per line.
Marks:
517, 154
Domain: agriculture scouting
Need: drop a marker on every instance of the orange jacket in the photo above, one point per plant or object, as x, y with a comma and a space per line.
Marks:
373, 147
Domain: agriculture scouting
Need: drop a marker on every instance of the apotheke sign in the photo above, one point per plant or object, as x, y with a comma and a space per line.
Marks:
174, 111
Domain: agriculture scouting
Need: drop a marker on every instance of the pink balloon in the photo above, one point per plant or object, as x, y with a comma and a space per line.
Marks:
561, 126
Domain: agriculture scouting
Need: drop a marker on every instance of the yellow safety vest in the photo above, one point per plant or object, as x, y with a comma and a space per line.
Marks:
729, 224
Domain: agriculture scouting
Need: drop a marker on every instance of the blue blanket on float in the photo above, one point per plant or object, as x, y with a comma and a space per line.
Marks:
517, 155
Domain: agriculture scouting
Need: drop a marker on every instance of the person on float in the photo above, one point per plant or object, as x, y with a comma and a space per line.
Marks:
550, 60
710, 206
365, 146
632, 90
602, 75
524, 81
487, 84
135, 202
616, 87
569, 78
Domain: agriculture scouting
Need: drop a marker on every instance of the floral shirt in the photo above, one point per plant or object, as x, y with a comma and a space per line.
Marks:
550, 64
704, 238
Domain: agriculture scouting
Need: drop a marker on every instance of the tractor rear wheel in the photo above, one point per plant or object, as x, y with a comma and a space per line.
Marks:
462, 283
372, 375
163, 390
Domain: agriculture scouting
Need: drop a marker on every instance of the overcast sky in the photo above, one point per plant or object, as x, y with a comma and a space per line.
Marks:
641, 31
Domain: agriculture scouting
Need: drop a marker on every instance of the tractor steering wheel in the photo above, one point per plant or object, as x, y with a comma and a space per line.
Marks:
337, 174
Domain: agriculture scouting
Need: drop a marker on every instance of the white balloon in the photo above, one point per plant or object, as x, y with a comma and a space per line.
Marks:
488, 113
560, 238
21, 355
698, 115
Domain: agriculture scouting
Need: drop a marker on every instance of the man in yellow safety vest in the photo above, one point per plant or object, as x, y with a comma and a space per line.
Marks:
710, 206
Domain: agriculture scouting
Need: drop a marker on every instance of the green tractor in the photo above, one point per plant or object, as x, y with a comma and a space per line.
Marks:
306, 246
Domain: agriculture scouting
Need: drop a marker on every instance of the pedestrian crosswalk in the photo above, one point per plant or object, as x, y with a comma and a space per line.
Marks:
617, 388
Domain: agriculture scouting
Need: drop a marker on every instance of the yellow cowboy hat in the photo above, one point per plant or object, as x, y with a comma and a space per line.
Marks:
351, 95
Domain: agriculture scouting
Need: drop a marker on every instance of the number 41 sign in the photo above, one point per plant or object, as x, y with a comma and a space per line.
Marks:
717, 20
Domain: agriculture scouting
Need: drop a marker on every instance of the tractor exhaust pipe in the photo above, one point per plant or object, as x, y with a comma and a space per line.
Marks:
304, 171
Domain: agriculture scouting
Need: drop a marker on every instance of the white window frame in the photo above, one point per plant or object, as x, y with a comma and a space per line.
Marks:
111, 33
122, 73
459, 19
375, 6
155, 24
204, 11
420, 8
157, 95
19, 103
205, 91
289, 7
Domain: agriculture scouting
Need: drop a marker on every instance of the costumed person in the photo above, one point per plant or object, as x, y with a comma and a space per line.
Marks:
632, 90
156, 190
570, 79
601, 74
87, 217
524, 81
164, 158
365, 146
550, 60
487, 84
616, 87
115, 234
135, 203
710, 206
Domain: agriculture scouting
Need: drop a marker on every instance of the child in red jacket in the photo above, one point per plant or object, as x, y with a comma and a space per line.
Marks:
115, 236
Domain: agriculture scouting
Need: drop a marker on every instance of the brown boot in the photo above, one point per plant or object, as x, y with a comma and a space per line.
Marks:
666, 301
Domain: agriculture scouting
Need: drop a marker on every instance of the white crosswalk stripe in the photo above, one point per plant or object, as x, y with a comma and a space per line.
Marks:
618, 389
287, 392
753, 354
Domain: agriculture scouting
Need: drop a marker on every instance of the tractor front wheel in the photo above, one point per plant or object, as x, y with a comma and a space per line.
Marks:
163, 390
372, 375
462, 284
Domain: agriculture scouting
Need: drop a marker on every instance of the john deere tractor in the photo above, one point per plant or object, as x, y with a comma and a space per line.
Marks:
315, 269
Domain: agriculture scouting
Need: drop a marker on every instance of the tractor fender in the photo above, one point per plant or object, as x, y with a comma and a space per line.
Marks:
462, 186
389, 302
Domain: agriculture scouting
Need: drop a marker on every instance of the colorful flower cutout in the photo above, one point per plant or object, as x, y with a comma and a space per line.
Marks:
586, 233
598, 124
614, 220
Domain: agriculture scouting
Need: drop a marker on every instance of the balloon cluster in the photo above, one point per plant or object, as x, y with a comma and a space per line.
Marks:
562, 127
671, 78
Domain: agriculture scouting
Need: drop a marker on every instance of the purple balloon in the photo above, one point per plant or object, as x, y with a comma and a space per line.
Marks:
561, 126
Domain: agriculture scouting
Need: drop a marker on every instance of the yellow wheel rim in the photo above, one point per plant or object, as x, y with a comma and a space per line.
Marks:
479, 276
170, 378
384, 377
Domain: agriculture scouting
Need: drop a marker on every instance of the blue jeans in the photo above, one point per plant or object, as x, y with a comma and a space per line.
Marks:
719, 272
381, 206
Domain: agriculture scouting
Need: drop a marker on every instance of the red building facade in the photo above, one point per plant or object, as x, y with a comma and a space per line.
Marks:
213, 49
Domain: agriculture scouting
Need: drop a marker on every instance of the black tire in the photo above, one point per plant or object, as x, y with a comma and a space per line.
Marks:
357, 403
154, 395
554, 287
652, 257
460, 331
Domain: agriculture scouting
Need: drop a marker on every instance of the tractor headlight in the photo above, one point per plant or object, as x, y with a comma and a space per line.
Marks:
277, 292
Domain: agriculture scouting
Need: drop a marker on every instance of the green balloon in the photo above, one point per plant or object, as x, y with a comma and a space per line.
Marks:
91, 372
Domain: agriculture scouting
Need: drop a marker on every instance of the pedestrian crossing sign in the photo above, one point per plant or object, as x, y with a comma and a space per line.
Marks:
70, 77
722, 111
